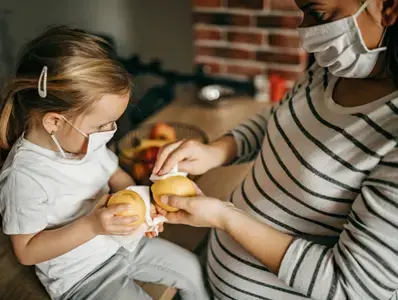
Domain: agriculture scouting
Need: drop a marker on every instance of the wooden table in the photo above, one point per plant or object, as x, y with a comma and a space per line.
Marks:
217, 183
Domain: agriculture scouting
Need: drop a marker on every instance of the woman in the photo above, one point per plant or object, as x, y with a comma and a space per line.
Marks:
317, 215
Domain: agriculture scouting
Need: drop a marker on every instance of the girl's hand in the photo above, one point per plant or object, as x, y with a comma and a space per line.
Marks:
198, 211
154, 214
191, 156
104, 222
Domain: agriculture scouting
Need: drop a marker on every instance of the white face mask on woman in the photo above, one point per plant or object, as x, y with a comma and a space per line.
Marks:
340, 47
95, 140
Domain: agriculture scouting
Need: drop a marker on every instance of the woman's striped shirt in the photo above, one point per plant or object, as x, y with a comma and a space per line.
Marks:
328, 175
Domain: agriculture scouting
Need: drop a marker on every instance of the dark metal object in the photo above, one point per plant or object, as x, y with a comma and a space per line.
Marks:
161, 95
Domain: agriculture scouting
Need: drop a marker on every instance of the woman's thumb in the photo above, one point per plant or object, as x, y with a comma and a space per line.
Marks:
198, 190
175, 201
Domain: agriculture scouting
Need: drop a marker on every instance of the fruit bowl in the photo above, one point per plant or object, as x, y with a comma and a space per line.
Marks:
138, 150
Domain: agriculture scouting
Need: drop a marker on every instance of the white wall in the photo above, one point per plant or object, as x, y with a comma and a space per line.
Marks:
152, 28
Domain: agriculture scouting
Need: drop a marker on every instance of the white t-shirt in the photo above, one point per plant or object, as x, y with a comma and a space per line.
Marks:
40, 190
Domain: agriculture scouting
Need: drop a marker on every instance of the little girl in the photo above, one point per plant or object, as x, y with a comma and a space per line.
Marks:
56, 117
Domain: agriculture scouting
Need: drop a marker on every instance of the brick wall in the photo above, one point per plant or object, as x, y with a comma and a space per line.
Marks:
242, 38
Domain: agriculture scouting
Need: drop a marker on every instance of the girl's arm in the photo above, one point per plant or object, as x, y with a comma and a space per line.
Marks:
31, 249
120, 180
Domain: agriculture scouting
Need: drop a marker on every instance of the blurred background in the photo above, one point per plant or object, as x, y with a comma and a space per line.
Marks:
230, 39
237, 38
151, 28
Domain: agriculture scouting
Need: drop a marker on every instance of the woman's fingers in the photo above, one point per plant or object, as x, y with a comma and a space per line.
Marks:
174, 158
180, 217
183, 203
198, 190
163, 154
153, 211
161, 210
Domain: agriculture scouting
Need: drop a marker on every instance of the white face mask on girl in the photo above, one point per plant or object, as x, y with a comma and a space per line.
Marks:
95, 140
340, 47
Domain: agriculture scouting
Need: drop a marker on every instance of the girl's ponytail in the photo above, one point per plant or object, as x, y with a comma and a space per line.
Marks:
12, 117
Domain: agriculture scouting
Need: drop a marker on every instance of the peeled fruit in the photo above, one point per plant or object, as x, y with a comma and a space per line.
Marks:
163, 131
135, 200
173, 185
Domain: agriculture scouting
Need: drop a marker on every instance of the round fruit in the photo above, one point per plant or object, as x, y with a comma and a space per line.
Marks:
148, 155
163, 131
135, 200
173, 185
141, 171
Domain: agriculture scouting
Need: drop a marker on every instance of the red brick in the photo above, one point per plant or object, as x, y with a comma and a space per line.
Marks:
244, 70
224, 52
283, 5
207, 3
288, 75
283, 58
246, 37
278, 21
249, 4
222, 19
210, 67
282, 40
207, 34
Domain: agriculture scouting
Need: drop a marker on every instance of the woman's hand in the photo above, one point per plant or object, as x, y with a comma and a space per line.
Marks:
198, 211
154, 214
104, 221
194, 157
261, 240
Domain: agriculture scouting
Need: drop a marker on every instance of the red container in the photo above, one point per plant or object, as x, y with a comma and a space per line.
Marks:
278, 87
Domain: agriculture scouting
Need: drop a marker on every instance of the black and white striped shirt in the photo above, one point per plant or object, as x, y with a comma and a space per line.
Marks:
328, 175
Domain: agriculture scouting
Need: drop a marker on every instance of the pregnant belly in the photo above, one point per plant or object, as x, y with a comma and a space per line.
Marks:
233, 272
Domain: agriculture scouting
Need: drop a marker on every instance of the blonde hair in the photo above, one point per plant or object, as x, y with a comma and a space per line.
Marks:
80, 72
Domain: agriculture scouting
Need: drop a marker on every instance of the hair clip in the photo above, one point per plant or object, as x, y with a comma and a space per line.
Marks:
43, 77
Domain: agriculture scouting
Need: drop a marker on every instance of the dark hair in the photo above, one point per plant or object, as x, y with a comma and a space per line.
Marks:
80, 72
392, 52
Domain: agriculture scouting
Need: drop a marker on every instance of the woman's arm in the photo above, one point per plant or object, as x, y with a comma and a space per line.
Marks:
264, 242
249, 136
120, 180
239, 145
362, 264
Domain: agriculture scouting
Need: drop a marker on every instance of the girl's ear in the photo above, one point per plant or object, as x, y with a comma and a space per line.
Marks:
52, 122
390, 12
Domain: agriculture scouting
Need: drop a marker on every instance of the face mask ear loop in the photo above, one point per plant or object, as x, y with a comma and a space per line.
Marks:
81, 132
58, 145
382, 38
361, 9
